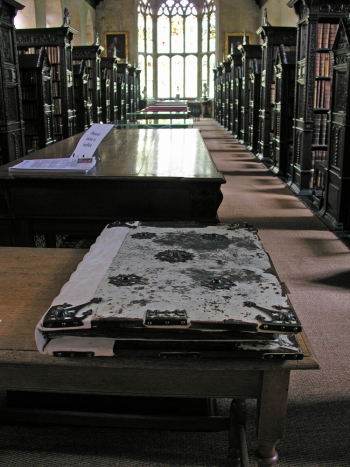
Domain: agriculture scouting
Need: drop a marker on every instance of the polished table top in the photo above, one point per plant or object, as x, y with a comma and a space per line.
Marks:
178, 153
142, 174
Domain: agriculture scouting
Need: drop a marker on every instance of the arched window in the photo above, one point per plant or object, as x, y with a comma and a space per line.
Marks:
208, 46
177, 55
145, 45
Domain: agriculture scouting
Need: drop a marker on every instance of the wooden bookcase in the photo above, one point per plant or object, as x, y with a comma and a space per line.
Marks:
83, 107
215, 74
132, 88
105, 96
123, 91
138, 88
11, 122
283, 112
218, 93
249, 53
235, 58
271, 37
317, 26
109, 66
254, 100
35, 78
225, 94
91, 54
336, 205
57, 42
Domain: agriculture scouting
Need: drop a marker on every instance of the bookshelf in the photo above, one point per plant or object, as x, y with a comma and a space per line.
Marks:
218, 93
83, 107
215, 73
105, 96
110, 64
235, 58
138, 88
57, 41
123, 91
11, 123
132, 88
336, 204
254, 99
35, 78
284, 112
91, 54
249, 53
226, 93
317, 25
271, 37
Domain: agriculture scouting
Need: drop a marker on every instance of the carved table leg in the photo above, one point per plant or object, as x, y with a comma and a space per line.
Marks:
237, 421
272, 415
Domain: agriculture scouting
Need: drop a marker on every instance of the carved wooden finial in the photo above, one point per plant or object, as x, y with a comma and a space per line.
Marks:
245, 37
97, 39
66, 18
265, 21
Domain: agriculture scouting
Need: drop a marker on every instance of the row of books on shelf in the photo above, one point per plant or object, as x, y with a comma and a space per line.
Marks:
28, 77
323, 64
29, 111
56, 89
326, 33
319, 135
29, 93
31, 127
56, 72
57, 106
53, 54
318, 156
322, 91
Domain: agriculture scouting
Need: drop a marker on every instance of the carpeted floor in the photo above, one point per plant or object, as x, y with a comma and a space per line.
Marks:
315, 265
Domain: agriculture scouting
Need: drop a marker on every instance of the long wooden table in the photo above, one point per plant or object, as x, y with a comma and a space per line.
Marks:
32, 277
144, 174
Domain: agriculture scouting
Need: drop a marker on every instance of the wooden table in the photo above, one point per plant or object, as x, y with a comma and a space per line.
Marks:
31, 278
141, 175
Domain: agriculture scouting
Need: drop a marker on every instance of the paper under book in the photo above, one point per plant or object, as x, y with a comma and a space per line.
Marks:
189, 291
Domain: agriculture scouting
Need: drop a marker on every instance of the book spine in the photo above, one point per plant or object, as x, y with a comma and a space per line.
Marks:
319, 35
317, 129
325, 35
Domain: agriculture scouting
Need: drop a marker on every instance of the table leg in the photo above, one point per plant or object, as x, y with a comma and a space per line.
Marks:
237, 420
272, 415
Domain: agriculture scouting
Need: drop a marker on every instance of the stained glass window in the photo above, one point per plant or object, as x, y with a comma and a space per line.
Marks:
208, 47
145, 47
180, 69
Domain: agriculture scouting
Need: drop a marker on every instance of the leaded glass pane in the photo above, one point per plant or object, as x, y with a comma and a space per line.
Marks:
205, 33
163, 76
204, 73
141, 33
163, 30
177, 34
149, 68
149, 34
177, 77
191, 67
191, 34
212, 32
211, 81
141, 65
